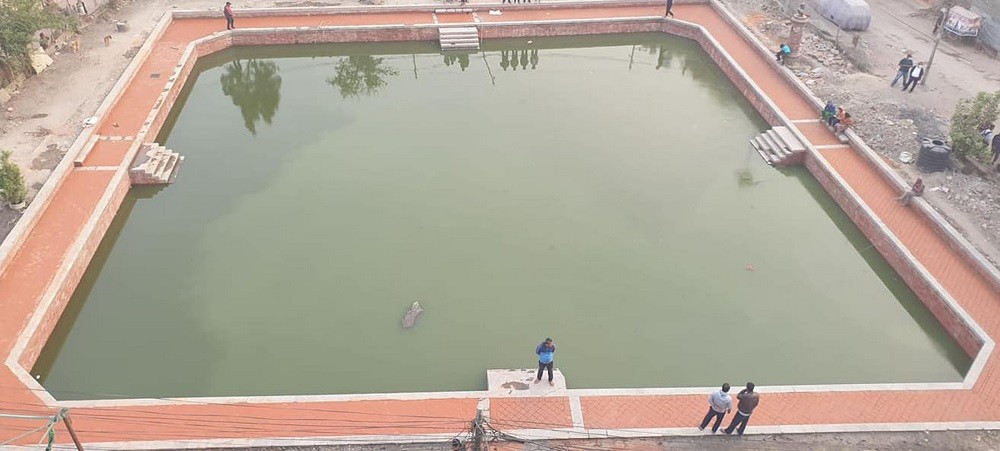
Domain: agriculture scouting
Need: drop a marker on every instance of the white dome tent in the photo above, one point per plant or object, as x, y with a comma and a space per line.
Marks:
849, 15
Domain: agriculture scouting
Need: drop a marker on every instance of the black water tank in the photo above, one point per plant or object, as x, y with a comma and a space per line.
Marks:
933, 156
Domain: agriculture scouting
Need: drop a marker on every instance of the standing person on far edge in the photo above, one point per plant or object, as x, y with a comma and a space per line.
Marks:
228, 12
670, 4
719, 404
545, 358
748, 401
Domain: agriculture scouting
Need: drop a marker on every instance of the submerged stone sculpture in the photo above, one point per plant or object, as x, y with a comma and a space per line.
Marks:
410, 318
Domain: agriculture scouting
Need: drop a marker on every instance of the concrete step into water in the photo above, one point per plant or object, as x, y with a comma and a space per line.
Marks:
773, 148
777, 144
155, 165
787, 137
167, 169
762, 149
459, 38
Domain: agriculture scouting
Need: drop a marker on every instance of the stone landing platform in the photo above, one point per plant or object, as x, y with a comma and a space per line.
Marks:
521, 382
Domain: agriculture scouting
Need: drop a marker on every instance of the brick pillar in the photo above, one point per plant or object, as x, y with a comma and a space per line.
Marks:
799, 22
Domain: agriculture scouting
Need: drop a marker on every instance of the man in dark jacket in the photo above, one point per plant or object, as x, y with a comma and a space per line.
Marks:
748, 401
903, 72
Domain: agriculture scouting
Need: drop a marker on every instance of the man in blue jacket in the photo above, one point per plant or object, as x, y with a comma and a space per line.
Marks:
545, 359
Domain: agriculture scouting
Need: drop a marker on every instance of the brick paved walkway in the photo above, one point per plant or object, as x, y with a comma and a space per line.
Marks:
77, 203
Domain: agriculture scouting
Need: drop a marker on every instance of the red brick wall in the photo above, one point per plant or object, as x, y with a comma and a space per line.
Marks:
335, 35
490, 31
78, 266
900, 263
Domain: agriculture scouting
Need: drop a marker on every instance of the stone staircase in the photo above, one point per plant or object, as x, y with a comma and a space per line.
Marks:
155, 165
779, 146
459, 38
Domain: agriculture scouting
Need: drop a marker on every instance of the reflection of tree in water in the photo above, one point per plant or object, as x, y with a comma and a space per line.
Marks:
694, 64
359, 75
664, 57
255, 87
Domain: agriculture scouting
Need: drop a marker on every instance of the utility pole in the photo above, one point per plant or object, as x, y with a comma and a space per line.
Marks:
937, 40
64, 413
477, 432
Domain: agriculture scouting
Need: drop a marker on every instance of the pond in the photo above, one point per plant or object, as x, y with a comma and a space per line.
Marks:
599, 190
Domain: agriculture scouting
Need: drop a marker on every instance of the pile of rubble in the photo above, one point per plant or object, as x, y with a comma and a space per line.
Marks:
826, 54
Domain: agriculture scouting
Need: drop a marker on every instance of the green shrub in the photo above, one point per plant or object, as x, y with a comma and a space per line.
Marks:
970, 114
11, 182
20, 21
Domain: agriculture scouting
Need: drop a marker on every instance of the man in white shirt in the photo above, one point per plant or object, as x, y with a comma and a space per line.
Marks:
915, 75
719, 404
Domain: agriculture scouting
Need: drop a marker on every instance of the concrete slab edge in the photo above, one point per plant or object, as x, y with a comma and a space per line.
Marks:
275, 399
425, 7
527, 435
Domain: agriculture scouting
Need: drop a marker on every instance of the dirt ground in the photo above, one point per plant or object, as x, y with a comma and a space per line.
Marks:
47, 115
890, 120
888, 441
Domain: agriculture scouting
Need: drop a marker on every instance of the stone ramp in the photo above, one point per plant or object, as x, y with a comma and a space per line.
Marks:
779, 146
459, 38
155, 165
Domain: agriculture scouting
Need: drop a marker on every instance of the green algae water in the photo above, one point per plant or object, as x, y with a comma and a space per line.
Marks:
598, 190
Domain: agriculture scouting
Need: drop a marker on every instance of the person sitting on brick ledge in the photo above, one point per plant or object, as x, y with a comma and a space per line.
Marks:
915, 191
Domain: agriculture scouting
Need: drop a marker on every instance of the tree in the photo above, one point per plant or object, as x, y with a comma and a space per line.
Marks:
11, 182
970, 115
255, 87
20, 20
359, 75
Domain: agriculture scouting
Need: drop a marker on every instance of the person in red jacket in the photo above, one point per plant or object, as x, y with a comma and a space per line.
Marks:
915, 191
228, 12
